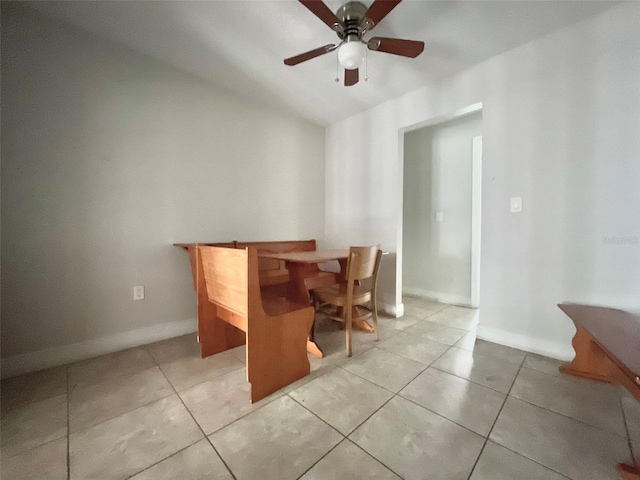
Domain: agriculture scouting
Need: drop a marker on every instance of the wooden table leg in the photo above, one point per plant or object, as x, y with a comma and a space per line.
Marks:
590, 361
297, 289
314, 349
629, 472
357, 324
361, 324
312, 346
298, 292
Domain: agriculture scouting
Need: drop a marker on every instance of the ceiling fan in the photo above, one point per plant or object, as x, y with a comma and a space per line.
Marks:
351, 22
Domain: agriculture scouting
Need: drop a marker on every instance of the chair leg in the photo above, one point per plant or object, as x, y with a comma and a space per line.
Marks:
374, 310
348, 325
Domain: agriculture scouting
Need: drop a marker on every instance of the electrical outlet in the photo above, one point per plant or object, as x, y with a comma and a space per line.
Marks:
138, 292
438, 216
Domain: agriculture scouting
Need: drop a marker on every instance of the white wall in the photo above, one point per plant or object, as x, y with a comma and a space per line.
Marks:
108, 158
560, 121
436, 256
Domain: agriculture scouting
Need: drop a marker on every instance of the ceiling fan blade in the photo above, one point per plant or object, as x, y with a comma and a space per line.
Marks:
303, 57
396, 46
351, 77
380, 9
320, 10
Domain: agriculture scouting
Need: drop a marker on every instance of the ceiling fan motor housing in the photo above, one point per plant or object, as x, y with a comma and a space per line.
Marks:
351, 15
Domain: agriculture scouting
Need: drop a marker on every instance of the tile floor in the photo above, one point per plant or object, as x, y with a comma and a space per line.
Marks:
428, 401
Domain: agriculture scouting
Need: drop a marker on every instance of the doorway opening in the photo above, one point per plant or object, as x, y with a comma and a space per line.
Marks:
439, 254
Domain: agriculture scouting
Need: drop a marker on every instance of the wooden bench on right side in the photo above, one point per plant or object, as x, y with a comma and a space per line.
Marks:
607, 346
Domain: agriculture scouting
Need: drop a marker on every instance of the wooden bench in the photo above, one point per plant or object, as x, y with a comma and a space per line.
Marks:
276, 329
607, 346
215, 335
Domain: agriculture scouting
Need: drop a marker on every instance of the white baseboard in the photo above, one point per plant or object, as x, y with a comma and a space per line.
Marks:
438, 297
394, 310
53, 357
560, 350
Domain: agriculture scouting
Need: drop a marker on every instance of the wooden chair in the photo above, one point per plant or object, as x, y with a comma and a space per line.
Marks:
358, 290
276, 329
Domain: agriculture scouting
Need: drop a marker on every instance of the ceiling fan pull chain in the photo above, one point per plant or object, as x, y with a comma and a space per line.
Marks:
337, 70
366, 66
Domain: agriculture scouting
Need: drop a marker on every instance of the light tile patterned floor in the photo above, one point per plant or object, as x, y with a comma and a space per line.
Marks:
427, 401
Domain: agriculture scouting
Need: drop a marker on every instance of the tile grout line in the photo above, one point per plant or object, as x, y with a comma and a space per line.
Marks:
626, 426
485, 356
530, 459
163, 459
176, 393
86, 383
68, 427
403, 357
208, 379
242, 416
394, 395
344, 437
315, 415
440, 415
504, 402
322, 457
496, 420
565, 415
199, 426
86, 427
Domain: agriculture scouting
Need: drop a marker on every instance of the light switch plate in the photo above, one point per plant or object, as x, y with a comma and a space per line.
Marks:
138, 292
438, 216
516, 204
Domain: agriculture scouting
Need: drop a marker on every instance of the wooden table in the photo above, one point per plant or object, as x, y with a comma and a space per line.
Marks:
302, 267
607, 346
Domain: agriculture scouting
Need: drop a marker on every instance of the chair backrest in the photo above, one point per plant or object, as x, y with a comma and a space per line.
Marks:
363, 262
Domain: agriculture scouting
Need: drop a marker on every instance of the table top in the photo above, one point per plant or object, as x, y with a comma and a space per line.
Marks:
314, 256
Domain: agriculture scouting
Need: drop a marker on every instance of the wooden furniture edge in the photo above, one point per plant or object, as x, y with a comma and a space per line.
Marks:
629, 472
594, 361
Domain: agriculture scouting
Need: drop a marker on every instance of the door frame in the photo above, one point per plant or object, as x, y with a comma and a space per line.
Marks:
476, 219
476, 204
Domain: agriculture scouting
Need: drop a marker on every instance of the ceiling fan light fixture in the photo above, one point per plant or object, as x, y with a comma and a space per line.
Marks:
351, 22
351, 54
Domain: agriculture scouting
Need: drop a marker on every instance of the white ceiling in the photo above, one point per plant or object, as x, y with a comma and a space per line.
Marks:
241, 44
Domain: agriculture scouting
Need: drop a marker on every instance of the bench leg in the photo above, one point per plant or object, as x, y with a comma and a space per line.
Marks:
590, 361
628, 472
277, 351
